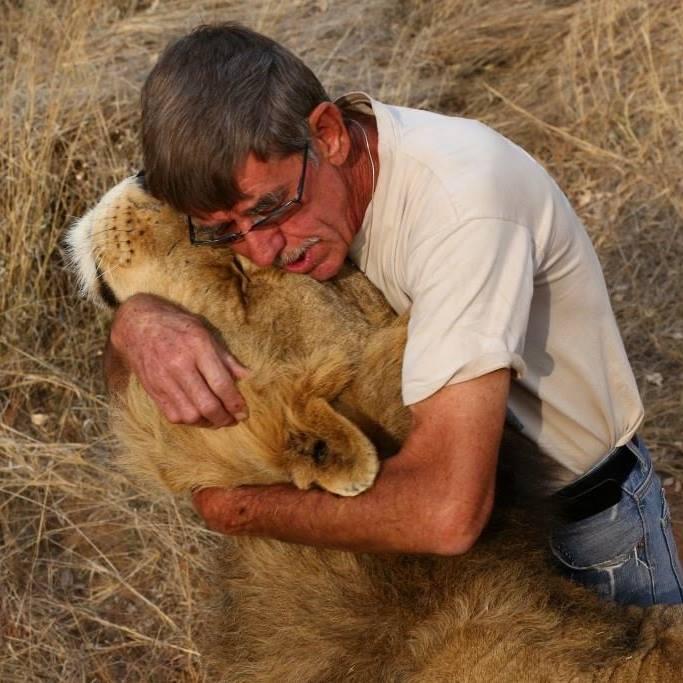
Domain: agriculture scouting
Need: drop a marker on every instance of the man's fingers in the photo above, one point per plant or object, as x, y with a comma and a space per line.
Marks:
202, 394
238, 371
200, 404
171, 401
177, 407
180, 364
221, 382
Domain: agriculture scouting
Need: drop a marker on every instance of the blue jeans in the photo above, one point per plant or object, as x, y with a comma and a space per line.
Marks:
626, 552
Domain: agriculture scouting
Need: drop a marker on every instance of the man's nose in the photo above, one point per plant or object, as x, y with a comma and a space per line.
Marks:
264, 245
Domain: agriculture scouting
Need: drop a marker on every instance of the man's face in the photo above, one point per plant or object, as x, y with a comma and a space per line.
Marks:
313, 240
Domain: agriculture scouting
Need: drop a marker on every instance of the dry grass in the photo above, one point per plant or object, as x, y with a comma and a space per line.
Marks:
96, 579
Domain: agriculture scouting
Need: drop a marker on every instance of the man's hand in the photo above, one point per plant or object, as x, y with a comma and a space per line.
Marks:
180, 364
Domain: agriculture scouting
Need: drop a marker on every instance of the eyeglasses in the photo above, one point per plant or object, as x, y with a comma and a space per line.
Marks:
225, 233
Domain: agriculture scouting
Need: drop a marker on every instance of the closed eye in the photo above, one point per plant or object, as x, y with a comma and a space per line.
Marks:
221, 229
268, 202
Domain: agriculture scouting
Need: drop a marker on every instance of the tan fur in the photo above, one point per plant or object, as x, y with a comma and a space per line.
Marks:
303, 341
326, 369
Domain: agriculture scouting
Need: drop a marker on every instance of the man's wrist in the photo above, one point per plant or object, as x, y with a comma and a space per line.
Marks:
133, 307
116, 370
117, 334
228, 511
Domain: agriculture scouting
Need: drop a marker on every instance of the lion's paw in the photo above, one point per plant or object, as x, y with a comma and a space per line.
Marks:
346, 469
352, 483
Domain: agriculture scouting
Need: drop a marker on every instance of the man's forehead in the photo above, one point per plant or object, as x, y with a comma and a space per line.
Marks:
261, 184
256, 177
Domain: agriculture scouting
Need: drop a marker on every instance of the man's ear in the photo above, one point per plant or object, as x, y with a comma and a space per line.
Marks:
329, 133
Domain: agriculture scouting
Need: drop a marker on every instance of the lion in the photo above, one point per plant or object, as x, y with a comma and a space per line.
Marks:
303, 394
325, 409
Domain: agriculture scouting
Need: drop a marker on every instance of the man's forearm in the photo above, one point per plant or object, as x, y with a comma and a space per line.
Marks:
374, 521
434, 496
402, 512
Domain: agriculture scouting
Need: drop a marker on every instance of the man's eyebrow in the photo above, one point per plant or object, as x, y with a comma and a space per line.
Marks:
267, 202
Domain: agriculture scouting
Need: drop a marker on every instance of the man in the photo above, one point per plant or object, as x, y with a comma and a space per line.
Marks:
508, 309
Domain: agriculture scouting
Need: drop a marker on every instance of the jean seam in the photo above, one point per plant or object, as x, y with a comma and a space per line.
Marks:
641, 490
664, 523
649, 562
639, 497
673, 564
560, 553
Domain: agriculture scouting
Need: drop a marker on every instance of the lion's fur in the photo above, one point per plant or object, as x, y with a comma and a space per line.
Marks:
280, 326
497, 614
325, 362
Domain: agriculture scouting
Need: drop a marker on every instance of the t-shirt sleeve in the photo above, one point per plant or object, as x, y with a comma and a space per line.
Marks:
471, 289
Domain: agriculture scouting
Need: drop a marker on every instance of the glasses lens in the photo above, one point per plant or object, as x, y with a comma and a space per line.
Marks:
277, 216
223, 232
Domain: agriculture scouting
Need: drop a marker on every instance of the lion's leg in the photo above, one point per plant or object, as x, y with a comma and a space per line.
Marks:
374, 394
322, 446
327, 449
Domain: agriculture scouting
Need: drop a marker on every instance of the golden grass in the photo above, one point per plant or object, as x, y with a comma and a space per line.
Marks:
97, 581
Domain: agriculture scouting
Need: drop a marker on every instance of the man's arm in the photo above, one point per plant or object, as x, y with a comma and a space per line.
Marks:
434, 496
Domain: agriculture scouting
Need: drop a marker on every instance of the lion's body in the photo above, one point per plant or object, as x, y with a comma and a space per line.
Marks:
499, 613
325, 361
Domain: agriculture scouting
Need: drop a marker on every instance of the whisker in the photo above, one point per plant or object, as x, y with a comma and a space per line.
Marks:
109, 229
173, 246
102, 273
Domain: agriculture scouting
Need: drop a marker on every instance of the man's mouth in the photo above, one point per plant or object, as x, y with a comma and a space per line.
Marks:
297, 259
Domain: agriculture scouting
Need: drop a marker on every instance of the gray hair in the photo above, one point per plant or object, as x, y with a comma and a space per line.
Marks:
214, 96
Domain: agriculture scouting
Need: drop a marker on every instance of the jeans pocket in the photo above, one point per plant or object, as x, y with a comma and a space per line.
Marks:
606, 539
606, 553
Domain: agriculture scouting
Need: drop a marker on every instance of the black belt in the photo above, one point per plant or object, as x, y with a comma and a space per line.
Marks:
599, 489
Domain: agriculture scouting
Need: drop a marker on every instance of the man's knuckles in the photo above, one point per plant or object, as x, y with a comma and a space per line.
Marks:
178, 411
228, 394
212, 409
172, 415
191, 416
207, 414
197, 336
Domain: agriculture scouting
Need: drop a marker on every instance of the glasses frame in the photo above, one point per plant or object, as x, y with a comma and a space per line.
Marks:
267, 221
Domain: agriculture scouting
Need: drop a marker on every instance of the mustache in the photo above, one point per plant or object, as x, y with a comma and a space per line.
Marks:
284, 258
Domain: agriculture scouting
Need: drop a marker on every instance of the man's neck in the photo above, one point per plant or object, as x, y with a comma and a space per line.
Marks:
363, 163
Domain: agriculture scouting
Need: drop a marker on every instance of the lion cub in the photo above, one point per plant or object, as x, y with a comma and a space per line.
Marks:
325, 358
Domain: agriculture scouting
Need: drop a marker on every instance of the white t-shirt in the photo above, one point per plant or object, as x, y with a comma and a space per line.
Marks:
474, 236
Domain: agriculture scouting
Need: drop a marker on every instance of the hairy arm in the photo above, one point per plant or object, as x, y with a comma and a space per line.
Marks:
434, 496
